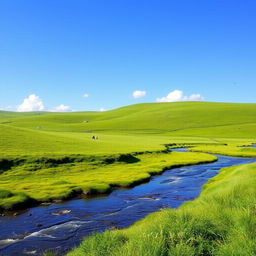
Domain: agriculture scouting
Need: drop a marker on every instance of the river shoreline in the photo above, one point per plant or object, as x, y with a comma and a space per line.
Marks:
119, 209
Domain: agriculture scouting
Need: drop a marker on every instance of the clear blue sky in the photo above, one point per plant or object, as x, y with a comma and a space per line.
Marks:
62, 49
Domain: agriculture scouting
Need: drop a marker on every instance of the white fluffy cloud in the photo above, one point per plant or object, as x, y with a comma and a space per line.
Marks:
102, 109
178, 95
61, 108
86, 95
34, 103
138, 94
31, 103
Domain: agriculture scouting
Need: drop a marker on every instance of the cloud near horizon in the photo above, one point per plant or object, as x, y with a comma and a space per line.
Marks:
178, 95
34, 103
61, 108
31, 103
138, 94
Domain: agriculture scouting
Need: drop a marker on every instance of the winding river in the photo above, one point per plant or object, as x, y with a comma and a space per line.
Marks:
60, 227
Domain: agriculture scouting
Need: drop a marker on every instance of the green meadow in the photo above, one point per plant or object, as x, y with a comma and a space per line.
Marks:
220, 222
46, 156
135, 128
45, 179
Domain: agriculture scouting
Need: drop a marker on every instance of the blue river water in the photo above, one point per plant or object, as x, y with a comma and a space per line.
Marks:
60, 227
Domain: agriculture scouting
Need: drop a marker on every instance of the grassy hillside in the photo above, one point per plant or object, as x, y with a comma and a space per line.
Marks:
46, 156
220, 222
23, 141
133, 128
57, 148
152, 118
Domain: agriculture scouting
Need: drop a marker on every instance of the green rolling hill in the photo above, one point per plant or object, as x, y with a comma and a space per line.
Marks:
151, 117
132, 128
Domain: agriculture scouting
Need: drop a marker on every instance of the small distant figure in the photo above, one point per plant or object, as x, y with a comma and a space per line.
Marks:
95, 137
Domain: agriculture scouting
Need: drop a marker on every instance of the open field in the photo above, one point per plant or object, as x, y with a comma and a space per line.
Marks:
182, 118
42, 180
48, 156
55, 151
229, 150
220, 222
19, 141
142, 127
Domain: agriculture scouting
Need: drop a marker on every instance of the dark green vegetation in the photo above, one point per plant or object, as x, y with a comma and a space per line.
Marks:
221, 221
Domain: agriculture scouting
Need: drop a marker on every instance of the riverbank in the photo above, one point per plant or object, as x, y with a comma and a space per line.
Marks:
38, 180
50, 179
231, 149
62, 226
220, 222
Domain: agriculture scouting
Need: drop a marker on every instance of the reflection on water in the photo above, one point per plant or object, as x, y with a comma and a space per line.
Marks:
62, 226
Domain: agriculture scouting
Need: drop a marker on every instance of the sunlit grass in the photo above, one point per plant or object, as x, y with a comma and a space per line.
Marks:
229, 149
47, 156
47, 179
220, 222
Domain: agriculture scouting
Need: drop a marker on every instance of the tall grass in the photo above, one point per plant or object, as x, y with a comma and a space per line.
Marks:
222, 221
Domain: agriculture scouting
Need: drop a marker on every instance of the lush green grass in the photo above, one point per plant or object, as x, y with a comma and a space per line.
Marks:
133, 128
46, 156
220, 222
153, 118
229, 149
46, 179
22, 141
55, 152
